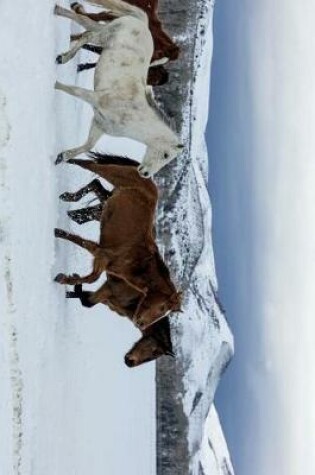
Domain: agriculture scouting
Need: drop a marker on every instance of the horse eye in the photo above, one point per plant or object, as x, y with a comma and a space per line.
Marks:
166, 155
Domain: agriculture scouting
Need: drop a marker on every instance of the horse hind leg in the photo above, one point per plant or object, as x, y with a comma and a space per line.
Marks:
94, 186
81, 294
94, 135
75, 279
82, 20
85, 215
102, 16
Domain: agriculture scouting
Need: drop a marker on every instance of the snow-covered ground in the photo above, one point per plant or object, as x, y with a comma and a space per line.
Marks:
68, 404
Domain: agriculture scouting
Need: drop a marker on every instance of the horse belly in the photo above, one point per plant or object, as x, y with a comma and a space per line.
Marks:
123, 223
113, 68
123, 112
127, 51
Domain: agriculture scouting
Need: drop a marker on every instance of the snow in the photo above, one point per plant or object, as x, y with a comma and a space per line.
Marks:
215, 456
68, 404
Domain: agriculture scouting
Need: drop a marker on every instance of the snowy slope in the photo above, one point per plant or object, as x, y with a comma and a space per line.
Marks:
215, 457
201, 336
68, 405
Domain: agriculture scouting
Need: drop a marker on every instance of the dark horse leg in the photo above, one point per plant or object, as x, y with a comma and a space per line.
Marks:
85, 66
85, 215
83, 295
92, 213
93, 48
94, 186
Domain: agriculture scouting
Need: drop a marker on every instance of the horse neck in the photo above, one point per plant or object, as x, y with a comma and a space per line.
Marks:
161, 282
159, 132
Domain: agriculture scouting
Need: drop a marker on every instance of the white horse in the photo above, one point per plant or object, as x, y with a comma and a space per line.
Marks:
120, 98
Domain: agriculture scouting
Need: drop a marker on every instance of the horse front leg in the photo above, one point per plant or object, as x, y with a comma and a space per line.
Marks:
83, 295
94, 135
90, 246
84, 38
85, 94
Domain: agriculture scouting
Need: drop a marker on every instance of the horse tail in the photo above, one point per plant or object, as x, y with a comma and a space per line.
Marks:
121, 8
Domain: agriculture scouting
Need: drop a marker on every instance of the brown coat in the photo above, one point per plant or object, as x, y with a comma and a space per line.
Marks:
127, 247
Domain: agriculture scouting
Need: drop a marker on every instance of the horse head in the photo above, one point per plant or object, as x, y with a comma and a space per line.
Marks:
156, 158
148, 348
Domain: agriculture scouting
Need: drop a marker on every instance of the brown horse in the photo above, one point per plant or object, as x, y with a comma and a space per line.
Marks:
123, 299
127, 248
164, 46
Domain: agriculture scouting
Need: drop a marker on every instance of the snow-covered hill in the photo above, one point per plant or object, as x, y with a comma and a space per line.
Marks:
201, 336
68, 405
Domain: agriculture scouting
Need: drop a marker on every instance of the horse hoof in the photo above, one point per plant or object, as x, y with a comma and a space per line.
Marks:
60, 278
66, 196
60, 233
59, 59
76, 7
57, 9
59, 159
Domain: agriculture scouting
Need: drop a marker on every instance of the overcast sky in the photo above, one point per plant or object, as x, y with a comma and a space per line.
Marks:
261, 139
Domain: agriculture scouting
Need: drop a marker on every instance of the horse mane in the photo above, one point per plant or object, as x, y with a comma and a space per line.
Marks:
103, 158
